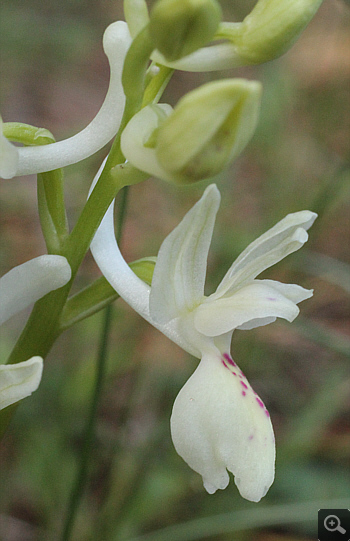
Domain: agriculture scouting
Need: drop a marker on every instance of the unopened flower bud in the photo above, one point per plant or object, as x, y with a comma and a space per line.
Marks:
271, 28
179, 27
208, 129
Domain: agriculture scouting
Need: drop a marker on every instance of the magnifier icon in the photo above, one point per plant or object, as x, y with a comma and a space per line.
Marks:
332, 524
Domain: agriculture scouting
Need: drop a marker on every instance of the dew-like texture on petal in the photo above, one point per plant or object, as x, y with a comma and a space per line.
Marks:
257, 300
19, 380
101, 129
136, 135
219, 423
8, 156
284, 238
28, 282
179, 274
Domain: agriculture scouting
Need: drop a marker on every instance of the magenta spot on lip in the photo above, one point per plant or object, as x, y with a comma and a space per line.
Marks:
225, 365
229, 360
243, 393
267, 413
260, 402
251, 437
234, 373
271, 298
244, 385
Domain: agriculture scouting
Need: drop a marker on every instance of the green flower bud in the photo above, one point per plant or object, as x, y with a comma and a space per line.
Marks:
271, 28
179, 27
208, 129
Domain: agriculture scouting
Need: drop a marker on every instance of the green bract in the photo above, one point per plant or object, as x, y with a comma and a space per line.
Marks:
179, 27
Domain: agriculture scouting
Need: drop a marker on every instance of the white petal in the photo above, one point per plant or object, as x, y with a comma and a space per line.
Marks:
137, 133
19, 380
218, 424
25, 284
8, 156
101, 129
130, 287
213, 58
285, 237
179, 274
292, 292
257, 300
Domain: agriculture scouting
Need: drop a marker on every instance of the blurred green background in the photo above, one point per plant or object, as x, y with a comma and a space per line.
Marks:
54, 74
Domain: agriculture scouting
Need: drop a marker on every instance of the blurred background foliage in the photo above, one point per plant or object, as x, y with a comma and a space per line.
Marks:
54, 74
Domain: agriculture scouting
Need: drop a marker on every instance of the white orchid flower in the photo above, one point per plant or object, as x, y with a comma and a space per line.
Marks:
37, 159
19, 288
218, 422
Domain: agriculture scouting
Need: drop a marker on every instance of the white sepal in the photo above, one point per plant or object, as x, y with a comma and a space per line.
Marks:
19, 380
219, 423
28, 282
179, 274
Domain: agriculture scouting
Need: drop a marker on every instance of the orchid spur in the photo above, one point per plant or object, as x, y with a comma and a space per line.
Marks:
19, 288
17, 161
218, 422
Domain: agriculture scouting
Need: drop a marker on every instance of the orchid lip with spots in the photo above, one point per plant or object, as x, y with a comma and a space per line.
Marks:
218, 424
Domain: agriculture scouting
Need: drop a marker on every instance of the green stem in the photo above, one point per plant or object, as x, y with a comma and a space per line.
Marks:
43, 325
52, 212
89, 437
135, 68
156, 85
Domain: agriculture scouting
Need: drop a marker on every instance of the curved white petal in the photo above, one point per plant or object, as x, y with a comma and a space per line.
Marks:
19, 380
101, 129
216, 57
219, 423
26, 283
292, 292
130, 287
255, 301
137, 133
284, 238
8, 156
179, 274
